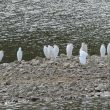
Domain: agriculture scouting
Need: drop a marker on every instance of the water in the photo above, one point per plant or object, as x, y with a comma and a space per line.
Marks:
30, 24
79, 104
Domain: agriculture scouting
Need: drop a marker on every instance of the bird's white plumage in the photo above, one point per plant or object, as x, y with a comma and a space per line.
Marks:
69, 50
102, 50
83, 53
1, 55
19, 54
108, 49
51, 52
83, 57
56, 51
82, 60
45, 50
84, 47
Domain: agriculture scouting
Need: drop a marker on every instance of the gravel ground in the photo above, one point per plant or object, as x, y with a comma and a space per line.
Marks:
60, 80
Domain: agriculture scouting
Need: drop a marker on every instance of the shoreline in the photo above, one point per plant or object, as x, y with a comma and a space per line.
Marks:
45, 80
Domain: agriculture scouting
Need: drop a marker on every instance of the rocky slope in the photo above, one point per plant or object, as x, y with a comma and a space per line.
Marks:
51, 81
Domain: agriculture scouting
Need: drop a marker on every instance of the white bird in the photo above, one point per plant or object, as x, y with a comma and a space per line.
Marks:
19, 54
108, 49
50, 52
45, 50
83, 53
83, 57
1, 55
102, 50
56, 51
84, 47
69, 50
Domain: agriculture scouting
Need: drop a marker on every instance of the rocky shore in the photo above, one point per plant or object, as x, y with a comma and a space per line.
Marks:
60, 80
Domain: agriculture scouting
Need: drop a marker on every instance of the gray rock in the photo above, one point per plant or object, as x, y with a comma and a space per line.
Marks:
63, 55
101, 87
5, 64
66, 65
43, 65
8, 82
34, 99
35, 62
105, 94
44, 108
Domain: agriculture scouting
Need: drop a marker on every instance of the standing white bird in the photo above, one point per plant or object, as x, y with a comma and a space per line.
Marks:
102, 50
108, 49
19, 54
45, 50
83, 57
50, 52
84, 47
69, 50
56, 51
1, 55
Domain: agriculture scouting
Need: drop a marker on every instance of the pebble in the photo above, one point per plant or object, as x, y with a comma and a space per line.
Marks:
101, 87
66, 65
35, 62
105, 94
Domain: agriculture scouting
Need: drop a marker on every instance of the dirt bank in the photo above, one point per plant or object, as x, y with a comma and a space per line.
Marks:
60, 80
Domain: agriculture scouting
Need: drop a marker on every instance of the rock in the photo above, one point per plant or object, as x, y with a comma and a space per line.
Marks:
15, 100
60, 88
50, 62
43, 65
5, 64
68, 97
45, 108
101, 87
72, 65
47, 99
29, 94
63, 55
72, 84
21, 70
20, 66
7, 82
101, 65
105, 94
34, 99
26, 77
9, 109
35, 62
6, 97
5, 74
66, 65
35, 88
8, 68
